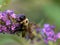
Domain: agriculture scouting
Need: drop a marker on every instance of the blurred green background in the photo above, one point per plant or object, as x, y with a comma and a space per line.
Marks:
38, 11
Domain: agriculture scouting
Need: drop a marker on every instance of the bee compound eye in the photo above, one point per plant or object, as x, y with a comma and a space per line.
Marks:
22, 18
26, 21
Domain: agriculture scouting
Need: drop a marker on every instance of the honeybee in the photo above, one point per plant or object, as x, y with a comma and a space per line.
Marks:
25, 27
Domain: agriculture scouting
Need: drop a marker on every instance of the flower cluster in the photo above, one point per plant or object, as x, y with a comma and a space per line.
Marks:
48, 33
8, 21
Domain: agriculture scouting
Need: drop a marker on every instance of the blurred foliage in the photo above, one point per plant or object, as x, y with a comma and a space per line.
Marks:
3, 4
1, 1
56, 1
53, 12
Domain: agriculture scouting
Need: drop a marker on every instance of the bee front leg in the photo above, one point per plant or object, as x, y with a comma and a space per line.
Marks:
31, 36
23, 33
18, 33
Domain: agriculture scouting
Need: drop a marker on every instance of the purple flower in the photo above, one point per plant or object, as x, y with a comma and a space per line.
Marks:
13, 15
48, 29
53, 26
49, 38
13, 27
38, 30
58, 35
51, 33
4, 28
4, 14
4, 18
46, 25
43, 33
55, 38
0, 30
8, 22
9, 12
46, 41
48, 32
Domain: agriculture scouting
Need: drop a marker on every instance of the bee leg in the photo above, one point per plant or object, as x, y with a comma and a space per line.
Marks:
23, 33
3, 32
31, 36
18, 33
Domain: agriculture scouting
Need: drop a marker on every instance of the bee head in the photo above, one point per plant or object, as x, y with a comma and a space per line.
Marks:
23, 20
